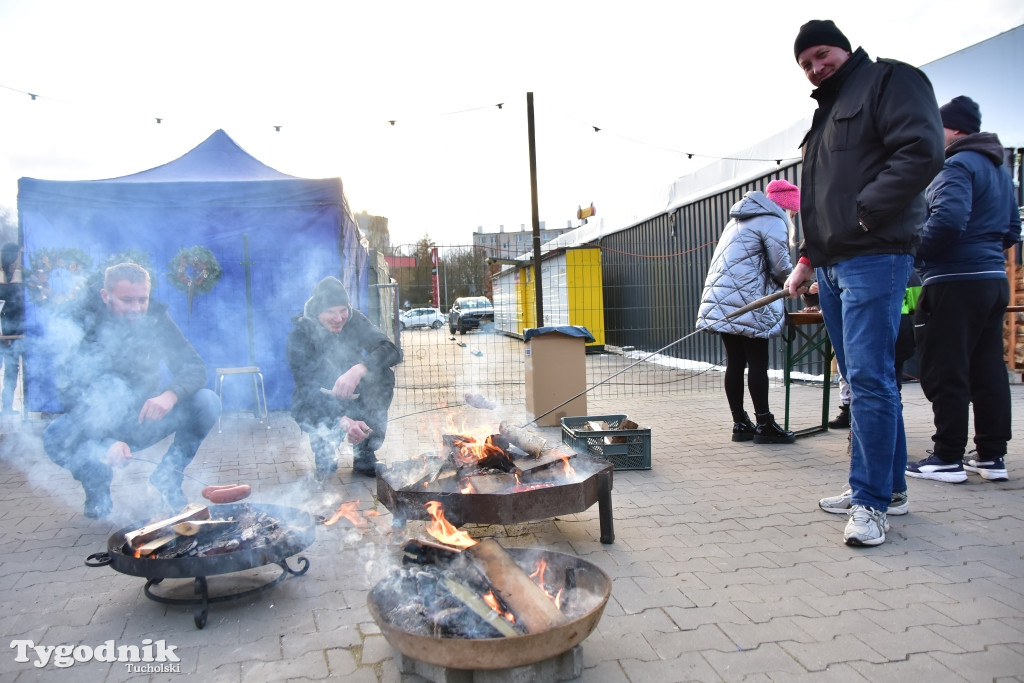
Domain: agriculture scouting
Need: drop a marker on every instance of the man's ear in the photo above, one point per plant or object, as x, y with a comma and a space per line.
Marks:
105, 296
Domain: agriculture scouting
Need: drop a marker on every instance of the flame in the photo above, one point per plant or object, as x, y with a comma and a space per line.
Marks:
138, 554
538, 577
442, 529
472, 451
493, 603
476, 442
569, 470
468, 488
538, 572
349, 511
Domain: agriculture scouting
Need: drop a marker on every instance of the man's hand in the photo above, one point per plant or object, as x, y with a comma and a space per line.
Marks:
118, 454
357, 430
796, 282
346, 385
158, 406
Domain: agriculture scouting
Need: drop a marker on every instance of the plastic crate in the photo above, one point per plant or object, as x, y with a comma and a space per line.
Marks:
634, 453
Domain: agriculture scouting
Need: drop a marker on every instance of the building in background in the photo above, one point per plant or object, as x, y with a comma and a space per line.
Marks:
514, 243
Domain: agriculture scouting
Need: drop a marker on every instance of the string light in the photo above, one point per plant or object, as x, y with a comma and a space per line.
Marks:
500, 105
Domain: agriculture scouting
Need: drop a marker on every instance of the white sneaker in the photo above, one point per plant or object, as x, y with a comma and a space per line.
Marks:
867, 526
840, 505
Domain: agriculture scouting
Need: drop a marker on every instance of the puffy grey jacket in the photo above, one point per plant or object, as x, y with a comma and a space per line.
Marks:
750, 261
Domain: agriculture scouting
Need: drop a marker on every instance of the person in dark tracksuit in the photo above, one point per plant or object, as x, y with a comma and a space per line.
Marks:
972, 218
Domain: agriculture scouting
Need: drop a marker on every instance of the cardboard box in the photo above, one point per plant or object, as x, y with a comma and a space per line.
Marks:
556, 370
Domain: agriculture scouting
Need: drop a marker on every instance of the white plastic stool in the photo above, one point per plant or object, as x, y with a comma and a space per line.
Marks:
257, 387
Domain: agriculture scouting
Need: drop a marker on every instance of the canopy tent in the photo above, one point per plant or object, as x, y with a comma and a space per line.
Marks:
273, 235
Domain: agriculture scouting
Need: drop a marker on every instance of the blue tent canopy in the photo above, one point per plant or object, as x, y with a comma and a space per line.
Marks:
274, 236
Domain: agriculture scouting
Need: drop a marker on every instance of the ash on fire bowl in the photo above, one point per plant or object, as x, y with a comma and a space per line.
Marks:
590, 595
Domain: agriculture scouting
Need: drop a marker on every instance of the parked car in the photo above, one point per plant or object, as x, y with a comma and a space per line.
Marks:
470, 313
421, 317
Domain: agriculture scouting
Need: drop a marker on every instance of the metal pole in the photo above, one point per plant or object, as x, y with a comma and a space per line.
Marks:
535, 214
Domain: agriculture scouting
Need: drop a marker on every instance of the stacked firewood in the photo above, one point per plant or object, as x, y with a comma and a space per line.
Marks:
1014, 334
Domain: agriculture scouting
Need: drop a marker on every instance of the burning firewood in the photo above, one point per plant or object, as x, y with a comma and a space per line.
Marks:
193, 527
476, 603
422, 552
529, 443
191, 512
532, 607
149, 547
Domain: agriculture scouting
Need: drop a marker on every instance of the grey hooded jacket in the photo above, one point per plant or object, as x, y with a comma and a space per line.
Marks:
750, 261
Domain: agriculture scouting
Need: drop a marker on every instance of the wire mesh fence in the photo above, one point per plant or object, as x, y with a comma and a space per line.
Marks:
647, 358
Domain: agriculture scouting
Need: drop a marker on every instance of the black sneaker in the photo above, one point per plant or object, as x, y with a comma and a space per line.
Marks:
937, 469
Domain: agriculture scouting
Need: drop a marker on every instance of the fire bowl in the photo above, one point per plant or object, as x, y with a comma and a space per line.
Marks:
544, 493
593, 587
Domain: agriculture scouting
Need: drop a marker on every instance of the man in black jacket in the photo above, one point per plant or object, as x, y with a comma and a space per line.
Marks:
116, 399
341, 364
874, 145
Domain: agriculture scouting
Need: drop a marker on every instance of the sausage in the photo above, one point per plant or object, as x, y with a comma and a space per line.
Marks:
227, 494
478, 401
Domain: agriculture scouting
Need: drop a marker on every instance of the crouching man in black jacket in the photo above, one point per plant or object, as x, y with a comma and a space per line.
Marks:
341, 364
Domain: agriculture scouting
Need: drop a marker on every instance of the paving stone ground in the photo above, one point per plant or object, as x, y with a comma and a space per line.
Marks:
723, 567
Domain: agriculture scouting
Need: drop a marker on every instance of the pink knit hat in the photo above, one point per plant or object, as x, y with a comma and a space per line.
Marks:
785, 194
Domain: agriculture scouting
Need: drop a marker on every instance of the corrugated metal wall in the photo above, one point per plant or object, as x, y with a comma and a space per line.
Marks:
654, 274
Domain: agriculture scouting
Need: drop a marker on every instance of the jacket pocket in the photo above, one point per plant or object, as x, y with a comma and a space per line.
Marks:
844, 131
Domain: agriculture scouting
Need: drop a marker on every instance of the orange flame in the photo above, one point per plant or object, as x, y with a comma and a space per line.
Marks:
476, 442
569, 470
468, 488
442, 529
493, 603
538, 572
349, 511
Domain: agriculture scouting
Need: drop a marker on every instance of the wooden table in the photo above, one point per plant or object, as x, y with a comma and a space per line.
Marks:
805, 336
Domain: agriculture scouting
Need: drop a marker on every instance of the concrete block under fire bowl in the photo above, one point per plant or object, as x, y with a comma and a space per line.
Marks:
560, 482
583, 595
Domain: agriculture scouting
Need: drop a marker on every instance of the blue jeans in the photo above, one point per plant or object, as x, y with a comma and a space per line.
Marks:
861, 301
78, 440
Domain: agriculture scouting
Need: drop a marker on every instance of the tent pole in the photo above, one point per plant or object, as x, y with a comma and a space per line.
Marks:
248, 298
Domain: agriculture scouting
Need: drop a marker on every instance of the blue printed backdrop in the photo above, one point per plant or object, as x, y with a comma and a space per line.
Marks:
294, 230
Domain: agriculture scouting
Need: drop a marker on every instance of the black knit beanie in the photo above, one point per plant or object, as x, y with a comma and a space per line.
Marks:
327, 293
819, 32
962, 114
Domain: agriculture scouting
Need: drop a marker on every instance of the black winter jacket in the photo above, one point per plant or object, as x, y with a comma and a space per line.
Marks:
875, 143
318, 357
125, 363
